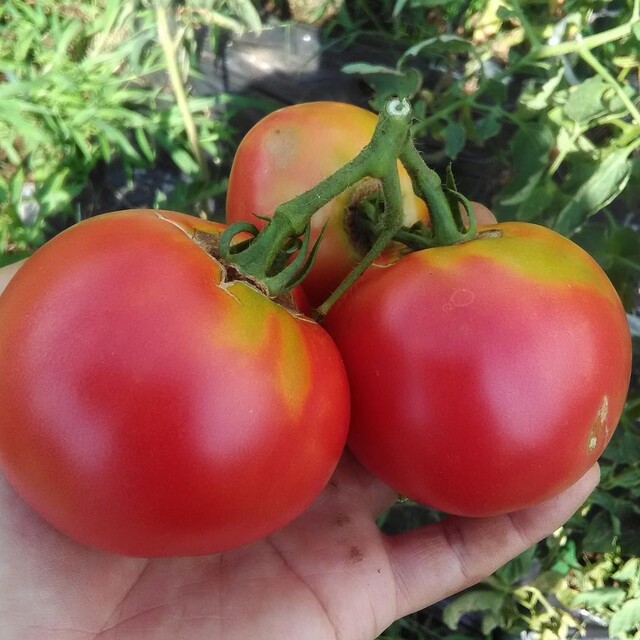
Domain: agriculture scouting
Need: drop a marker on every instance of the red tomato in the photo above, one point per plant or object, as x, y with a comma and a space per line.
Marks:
291, 150
148, 406
486, 376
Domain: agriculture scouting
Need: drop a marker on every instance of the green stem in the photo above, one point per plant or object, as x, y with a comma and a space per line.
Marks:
427, 185
590, 42
391, 141
376, 160
392, 223
526, 25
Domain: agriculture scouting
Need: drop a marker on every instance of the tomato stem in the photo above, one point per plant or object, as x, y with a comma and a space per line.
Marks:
377, 160
262, 256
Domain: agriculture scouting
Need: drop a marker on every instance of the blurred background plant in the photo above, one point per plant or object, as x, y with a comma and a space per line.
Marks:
534, 102
85, 83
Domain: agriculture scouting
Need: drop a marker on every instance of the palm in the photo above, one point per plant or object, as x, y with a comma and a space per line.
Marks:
330, 574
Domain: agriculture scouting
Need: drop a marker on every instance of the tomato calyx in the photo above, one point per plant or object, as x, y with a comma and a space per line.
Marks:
210, 243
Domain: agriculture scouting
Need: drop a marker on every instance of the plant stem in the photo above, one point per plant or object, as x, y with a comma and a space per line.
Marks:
526, 25
169, 49
377, 160
590, 42
393, 222
427, 185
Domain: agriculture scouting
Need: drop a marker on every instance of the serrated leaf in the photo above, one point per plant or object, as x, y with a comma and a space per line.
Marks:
474, 600
627, 618
606, 183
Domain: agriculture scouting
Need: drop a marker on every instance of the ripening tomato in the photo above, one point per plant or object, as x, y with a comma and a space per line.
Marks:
152, 406
290, 151
485, 376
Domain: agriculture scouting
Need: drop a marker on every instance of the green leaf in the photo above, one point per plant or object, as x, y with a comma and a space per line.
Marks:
600, 536
606, 183
9, 258
445, 43
249, 15
489, 125
490, 621
627, 618
529, 150
473, 600
454, 138
364, 68
593, 99
184, 160
397, 8
387, 82
518, 567
600, 598
629, 572
537, 98
585, 102
566, 559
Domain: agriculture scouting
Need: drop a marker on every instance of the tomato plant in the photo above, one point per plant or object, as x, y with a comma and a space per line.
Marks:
485, 376
290, 151
150, 403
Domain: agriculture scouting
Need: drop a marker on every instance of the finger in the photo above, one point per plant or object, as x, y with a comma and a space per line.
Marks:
6, 273
435, 561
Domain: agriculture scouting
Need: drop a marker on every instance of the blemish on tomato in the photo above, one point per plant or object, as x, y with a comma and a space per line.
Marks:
600, 425
459, 298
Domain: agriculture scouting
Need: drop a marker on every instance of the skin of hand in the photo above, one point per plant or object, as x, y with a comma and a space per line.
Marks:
329, 575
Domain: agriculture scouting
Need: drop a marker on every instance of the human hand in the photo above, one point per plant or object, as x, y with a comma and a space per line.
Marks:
329, 574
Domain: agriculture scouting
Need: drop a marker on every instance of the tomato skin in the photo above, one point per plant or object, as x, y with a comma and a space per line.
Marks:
148, 410
487, 376
290, 151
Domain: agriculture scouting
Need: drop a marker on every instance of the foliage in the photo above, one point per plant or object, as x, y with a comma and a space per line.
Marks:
80, 88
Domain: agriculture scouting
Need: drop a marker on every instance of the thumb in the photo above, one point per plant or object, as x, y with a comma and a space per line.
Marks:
432, 562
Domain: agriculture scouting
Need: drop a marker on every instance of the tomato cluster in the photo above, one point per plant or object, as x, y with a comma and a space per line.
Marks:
154, 401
